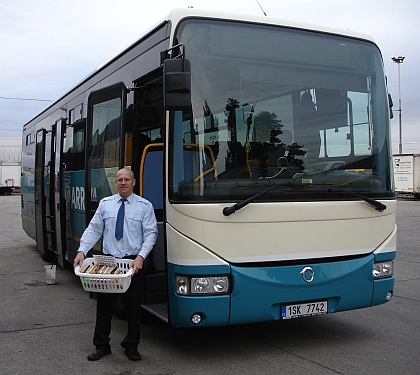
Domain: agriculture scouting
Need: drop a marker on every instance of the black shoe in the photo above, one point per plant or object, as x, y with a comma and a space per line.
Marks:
98, 354
132, 354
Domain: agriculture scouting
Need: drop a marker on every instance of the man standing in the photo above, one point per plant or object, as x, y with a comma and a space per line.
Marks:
128, 225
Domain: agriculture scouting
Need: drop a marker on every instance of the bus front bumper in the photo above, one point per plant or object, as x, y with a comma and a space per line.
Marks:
259, 293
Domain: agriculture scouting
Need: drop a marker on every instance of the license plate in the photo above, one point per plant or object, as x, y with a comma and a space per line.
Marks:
304, 309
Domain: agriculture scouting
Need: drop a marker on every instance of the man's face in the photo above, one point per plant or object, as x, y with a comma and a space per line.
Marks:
125, 183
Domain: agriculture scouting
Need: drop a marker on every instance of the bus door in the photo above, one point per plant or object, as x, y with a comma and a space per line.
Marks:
44, 197
104, 144
58, 192
148, 155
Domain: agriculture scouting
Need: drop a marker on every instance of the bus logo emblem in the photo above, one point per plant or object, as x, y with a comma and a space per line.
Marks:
307, 274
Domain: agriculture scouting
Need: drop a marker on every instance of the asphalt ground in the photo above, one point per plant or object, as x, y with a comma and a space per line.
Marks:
48, 329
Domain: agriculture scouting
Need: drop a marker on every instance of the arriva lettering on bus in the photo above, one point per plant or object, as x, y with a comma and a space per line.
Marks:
78, 197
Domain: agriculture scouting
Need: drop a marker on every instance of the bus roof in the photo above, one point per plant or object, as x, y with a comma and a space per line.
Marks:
179, 13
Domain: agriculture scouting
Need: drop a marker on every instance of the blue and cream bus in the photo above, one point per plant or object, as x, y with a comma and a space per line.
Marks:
264, 146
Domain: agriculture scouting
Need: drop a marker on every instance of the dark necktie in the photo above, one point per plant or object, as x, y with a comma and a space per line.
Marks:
119, 227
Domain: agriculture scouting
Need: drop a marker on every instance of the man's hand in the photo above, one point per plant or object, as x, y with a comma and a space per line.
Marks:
78, 260
137, 264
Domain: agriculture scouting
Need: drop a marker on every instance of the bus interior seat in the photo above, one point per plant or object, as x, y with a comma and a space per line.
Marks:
153, 177
152, 180
192, 167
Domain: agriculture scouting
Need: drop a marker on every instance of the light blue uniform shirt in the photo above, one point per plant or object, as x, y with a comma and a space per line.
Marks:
140, 227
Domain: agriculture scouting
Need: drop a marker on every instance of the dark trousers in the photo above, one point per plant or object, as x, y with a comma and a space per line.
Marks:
106, 304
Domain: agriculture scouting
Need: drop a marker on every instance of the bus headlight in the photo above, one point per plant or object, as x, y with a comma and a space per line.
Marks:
203, 285
200, 285
181, 285
221, 284
383, 269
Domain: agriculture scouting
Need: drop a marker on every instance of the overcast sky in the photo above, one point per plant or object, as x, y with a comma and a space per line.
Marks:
47, 46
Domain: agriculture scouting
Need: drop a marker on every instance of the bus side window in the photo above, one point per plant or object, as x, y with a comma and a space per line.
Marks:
75, 147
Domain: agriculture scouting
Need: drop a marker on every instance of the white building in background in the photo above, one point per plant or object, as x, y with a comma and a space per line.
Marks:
10, 162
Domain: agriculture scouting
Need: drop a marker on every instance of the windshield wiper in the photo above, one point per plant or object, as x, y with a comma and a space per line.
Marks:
374, 203
227, 211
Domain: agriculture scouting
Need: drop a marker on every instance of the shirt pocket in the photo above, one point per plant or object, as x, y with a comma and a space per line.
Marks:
108, 216
134, 220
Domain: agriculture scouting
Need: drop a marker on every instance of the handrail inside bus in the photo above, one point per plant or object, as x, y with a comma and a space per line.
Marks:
160, 144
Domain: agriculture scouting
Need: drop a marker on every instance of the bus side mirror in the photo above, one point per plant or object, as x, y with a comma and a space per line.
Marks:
177, 84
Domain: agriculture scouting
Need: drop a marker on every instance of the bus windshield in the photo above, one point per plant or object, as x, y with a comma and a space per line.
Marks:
274, 105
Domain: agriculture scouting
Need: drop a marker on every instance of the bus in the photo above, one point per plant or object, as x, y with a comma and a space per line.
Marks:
264, 146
